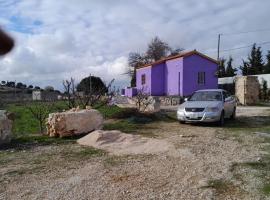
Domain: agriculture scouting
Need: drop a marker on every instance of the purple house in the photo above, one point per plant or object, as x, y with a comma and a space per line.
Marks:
179, 75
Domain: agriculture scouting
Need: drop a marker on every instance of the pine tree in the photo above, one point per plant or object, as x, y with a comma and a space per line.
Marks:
267, 65
230, 70
255, 61
264, 89
245, 68
259, 64
221, 68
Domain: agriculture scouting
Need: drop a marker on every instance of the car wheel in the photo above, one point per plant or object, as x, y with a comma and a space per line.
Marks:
182, 122
233, 114
221, 120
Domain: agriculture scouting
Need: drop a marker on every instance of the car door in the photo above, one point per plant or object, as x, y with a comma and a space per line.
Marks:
228, 103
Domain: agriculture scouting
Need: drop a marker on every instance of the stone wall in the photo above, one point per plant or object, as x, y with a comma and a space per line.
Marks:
247, 90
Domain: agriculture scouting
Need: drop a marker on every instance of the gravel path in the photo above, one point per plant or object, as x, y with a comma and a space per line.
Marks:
200, 156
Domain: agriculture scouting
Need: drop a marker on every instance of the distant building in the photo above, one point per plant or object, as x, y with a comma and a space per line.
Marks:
39, 95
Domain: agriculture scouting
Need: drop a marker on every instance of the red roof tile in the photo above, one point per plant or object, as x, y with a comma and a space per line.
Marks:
185, 54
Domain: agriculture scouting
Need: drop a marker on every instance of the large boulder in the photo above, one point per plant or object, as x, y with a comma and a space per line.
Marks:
73, 122
5, 127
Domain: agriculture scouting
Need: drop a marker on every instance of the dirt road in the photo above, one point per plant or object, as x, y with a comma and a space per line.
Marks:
201, 166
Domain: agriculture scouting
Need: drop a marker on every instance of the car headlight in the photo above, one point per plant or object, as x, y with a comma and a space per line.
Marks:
212, 109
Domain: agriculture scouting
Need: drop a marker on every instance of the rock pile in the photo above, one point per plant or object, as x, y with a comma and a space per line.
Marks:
119, 143
5, 127
73, 122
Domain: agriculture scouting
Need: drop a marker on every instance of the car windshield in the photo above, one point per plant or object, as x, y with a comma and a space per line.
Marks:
206, 96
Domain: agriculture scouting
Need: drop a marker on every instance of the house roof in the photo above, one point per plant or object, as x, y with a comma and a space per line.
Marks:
180, 55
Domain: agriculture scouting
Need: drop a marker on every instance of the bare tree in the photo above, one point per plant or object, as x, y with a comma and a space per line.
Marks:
142, 100
40, 111
95, 96
69, 91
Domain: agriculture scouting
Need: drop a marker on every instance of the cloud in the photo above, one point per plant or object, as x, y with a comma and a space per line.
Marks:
59, 39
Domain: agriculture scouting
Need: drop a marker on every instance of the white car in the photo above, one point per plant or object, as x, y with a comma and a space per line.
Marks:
211, 105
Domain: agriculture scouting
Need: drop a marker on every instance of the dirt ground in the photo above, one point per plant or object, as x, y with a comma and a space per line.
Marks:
202, 165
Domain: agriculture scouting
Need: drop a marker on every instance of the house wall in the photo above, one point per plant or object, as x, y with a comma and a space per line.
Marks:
194, 64
147, 86
171, 72
158, 80
130, 92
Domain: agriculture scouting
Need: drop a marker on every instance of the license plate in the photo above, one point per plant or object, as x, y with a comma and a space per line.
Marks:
194, 116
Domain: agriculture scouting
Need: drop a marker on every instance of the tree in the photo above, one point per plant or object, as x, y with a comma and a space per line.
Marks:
230, 70
92, 84
176, 51
267, 65
244, 68
40, 111
90, 96
142, 100
49, 88
255, 61
37, 88
69, 91
221, 68
135, 60
157, 49
30, 87
264, 92
10, 84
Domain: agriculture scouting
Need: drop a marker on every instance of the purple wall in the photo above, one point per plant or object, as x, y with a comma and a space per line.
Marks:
177, 76
194, 64
173, 85
158, 80
147, 86
130, 92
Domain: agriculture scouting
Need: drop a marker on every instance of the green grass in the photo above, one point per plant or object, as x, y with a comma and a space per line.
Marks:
223, 188
123, 125
115, 111
25, 123
266, 189
248, 125
218, 184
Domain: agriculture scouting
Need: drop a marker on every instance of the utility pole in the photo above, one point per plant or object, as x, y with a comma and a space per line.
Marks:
90, 85
218, 46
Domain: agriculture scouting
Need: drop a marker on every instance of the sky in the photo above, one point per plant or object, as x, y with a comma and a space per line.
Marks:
56, 40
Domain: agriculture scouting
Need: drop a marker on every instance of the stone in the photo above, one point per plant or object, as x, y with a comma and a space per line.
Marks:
247, 90
154, 105
5, 127
74, 122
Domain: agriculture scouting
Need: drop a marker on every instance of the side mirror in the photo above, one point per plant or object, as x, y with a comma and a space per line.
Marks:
186, 99
228, 99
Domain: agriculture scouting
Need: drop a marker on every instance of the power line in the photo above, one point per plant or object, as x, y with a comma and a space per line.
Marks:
244, 32
241, 47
